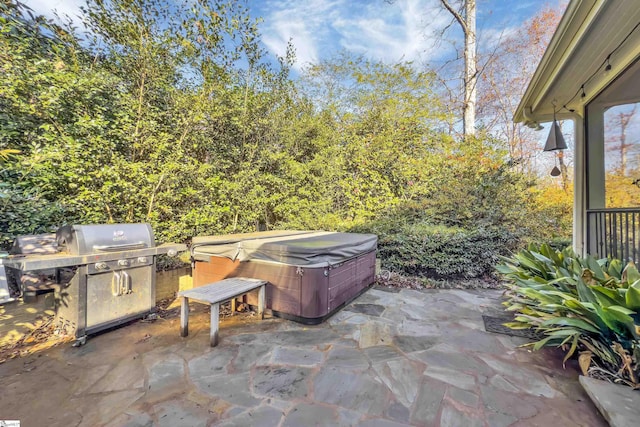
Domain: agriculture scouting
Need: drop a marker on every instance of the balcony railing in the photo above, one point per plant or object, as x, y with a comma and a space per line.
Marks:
614, 233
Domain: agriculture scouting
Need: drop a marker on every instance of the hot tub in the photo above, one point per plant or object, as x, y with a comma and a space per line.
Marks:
311, 274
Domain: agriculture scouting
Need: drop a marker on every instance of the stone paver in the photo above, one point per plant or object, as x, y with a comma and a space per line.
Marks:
281, 382
263, 416
296, 356
402, 377
427, 407
356, 391
391, 358
619, 404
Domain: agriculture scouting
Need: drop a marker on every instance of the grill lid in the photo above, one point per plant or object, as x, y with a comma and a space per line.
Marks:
41, 244
88, 239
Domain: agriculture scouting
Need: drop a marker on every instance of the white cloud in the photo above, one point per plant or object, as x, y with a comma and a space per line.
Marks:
62, 7
489, 38
408, 30
382, 31
304, 23
389, 32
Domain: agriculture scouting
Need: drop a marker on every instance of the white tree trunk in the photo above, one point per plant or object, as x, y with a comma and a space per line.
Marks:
470, 69
467, 21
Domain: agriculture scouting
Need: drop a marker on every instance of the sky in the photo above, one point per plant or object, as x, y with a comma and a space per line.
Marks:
391, 31
387, 30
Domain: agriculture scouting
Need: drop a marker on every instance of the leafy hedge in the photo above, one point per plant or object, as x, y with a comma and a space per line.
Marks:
437, 251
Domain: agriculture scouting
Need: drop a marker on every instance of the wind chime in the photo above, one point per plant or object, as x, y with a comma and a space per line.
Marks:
555, 141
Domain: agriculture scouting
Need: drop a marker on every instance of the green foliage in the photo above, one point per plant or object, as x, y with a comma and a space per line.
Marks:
411, 245
461, 216
170, 113
580, 304
439, 251
127, 130
24, 212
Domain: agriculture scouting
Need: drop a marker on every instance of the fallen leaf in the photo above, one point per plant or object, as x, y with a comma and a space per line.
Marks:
585, 361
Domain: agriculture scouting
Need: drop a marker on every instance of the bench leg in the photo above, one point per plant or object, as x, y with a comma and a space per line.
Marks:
261, 301
184, 317
233, 306
215, 315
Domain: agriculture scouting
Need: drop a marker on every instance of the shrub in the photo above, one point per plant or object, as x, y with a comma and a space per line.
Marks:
580, 304
425, 250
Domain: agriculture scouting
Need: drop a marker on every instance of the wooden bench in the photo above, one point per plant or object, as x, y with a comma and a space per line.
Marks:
216, 293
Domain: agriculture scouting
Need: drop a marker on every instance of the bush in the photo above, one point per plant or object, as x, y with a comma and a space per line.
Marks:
580, 304
436, 251
25, 213
559, 243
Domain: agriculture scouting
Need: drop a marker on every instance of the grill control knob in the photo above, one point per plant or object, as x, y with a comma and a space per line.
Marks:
142, 259
123, 262
101, 266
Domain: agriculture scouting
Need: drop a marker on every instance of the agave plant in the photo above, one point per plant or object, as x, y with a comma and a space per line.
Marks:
580, 304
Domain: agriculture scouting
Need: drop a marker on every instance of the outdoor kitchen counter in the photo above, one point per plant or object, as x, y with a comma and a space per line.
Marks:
40, 262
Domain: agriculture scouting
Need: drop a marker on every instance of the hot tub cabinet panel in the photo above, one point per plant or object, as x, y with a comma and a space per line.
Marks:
308, 293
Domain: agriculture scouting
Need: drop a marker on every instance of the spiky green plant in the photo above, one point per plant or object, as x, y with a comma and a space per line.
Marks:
578, 304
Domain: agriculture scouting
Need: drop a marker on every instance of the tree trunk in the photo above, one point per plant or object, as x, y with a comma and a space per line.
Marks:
470, 70
564, 173
467, 21
625, 118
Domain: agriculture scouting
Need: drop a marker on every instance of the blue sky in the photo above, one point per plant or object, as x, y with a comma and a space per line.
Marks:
403, 30
400, 30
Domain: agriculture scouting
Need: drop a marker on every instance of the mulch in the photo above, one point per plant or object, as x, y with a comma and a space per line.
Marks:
42, 337
394, 280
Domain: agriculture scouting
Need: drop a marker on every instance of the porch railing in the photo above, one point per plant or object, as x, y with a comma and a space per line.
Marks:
614, 233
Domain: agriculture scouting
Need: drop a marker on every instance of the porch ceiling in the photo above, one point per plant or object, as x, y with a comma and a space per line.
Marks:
588, 32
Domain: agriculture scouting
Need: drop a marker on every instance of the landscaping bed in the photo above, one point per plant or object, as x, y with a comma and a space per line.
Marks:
588, 307
395, 280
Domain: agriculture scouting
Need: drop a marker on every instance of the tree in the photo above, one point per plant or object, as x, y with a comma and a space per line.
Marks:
150, 123
465, 16
384, 119
622, 168
30, 52
620, 121
507, 70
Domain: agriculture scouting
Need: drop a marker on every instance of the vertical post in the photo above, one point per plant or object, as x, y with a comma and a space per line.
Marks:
634, 226
261, 301
184, 317
591, 155
627, 254
215, 315
583, 231
233, 306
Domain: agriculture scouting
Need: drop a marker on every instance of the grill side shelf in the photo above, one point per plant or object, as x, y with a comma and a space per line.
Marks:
29, 263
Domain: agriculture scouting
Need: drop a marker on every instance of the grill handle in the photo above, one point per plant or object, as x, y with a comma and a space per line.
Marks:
125, 284
116, 284
125, 246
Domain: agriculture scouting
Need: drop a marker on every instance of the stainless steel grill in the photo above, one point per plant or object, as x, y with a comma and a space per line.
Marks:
114, 278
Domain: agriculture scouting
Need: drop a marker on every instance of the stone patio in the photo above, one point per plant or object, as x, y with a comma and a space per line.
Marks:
390, 358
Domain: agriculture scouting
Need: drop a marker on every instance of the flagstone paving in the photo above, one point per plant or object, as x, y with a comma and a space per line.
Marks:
390, 358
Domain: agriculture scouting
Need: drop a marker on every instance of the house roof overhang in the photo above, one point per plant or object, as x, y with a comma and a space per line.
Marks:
590, 35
